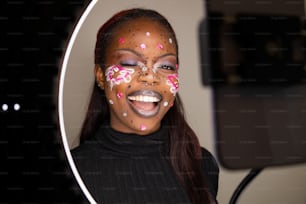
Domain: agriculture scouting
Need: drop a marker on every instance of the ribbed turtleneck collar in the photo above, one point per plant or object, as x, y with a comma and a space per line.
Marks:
132, 144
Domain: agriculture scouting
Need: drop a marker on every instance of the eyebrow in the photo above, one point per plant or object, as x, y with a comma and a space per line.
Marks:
142, 56
130, 50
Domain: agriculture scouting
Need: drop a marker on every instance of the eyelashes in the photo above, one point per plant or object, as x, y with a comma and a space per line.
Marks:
128, 63
163, 66
167, 67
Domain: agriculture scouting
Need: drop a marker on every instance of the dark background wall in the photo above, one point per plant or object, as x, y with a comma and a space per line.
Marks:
33, 35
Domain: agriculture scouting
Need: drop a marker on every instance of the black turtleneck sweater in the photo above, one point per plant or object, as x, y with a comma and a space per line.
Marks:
119, 168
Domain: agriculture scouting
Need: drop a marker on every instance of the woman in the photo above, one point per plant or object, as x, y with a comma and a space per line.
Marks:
136, 146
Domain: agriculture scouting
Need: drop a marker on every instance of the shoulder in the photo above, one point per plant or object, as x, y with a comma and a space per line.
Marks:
81, 150
211, 171
85, 153
209, 160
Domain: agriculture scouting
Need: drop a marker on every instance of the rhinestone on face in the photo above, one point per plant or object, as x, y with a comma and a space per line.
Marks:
143, 127
143, 46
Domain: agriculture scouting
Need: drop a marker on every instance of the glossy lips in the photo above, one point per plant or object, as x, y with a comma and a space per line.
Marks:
145, 102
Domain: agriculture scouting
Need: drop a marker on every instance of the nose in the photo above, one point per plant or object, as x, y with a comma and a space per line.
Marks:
149, 77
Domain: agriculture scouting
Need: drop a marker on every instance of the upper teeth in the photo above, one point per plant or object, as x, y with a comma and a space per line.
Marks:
143, 98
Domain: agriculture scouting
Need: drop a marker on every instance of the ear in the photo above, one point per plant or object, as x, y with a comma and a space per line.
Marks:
99, 76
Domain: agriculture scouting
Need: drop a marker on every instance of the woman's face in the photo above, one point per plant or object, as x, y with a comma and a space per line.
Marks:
140, 78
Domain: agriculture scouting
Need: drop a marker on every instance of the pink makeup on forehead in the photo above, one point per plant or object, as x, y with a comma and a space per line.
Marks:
121, 40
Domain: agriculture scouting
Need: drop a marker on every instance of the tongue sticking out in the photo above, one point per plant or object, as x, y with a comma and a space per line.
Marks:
146, 106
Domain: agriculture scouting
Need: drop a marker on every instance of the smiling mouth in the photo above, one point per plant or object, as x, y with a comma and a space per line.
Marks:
145, 103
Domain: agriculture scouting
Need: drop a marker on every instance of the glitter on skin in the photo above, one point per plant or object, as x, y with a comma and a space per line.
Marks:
170, 40
124, 114
111, 102
143, 127
148, 34
166, 103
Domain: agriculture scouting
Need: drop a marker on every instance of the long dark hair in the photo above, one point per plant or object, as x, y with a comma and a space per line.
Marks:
184, 149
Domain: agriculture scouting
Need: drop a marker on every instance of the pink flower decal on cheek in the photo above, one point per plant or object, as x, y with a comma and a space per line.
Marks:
115, 75
173, 82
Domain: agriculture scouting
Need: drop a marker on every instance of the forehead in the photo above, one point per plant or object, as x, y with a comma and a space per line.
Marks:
140, 24
143, 31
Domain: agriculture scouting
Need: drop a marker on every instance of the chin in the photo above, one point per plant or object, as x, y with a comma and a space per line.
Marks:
144, 129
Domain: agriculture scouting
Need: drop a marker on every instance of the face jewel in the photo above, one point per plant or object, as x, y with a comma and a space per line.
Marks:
160, 46
111, 102
124, 114
170, 40
143, 127
121, 40
166, 103
148, 34
119, 95
143, 46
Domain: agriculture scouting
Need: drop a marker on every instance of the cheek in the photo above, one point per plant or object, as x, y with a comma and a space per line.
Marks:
173, 83
115, 75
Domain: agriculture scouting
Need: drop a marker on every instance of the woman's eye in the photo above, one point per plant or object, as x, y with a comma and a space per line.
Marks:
167, 67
